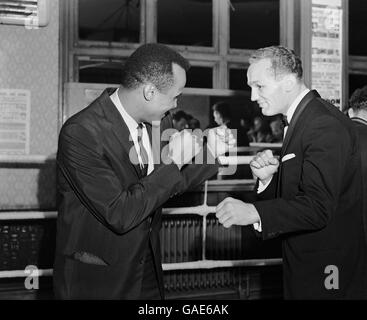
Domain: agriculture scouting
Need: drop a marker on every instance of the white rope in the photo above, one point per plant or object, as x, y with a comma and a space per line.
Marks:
202, 210
211, 264
235, 160
23, 273
266, 145
26, 215
201, 264
33, 159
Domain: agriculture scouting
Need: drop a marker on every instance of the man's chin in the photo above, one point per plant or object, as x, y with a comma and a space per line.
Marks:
267, 112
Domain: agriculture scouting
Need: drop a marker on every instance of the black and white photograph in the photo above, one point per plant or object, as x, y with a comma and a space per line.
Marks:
189, 155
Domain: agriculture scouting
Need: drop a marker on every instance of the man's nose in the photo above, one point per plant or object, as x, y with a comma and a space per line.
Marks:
254, 95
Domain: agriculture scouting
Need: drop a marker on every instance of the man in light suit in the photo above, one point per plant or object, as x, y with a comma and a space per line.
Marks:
312, 195
112, 188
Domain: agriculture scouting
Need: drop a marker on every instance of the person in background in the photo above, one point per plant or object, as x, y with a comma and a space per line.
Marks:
180, 120
358, 113
261, 131
276, 130
193, 122
222, 117
221, 113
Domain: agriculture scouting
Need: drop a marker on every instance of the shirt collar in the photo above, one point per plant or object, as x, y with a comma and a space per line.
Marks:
295, 103
130, 122
358, 119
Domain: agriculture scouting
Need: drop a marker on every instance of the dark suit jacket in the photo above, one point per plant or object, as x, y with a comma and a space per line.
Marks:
361, 126
316, 204
107, 208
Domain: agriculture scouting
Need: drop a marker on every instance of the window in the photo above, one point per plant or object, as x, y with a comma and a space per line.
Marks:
185, 22
357, 45
357, 27
109, 20
238, 79
100, 70
200, 77
356, 81
254, 24
204, 31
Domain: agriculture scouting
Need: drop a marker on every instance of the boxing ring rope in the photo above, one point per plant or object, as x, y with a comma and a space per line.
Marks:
26, 159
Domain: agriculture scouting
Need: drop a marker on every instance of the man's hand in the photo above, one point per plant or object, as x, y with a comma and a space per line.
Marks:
183, 146
264, 165
220, 140
236, 212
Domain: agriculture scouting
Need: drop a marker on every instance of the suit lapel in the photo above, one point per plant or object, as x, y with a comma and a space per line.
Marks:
118, 125
300, 108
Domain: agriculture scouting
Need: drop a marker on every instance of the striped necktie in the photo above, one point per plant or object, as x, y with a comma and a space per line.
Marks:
143, 151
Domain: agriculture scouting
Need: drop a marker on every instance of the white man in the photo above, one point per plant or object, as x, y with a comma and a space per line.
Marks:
311, 196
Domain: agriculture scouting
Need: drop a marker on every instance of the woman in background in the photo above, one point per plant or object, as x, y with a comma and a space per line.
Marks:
222, 117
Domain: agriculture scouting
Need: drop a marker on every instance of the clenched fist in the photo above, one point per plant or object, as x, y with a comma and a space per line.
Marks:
183, 146
220, 140
264, 165
236, 212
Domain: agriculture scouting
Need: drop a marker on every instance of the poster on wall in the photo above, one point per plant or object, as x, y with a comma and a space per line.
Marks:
15, 106
327, 52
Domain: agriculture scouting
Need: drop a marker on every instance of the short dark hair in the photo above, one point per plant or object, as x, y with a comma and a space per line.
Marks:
283, 60
223, 109
152, 63
178, 115
358, 100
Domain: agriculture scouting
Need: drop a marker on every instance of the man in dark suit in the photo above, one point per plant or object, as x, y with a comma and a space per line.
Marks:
358, 113
312, 195
112, 187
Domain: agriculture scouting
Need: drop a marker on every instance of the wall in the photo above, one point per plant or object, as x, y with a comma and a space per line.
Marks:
29, 59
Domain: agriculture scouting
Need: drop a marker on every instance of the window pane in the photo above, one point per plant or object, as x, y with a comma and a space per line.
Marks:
357, 27
356, 81
200, 77
100, 71
254, 24
238, 79
185, 22
109, 20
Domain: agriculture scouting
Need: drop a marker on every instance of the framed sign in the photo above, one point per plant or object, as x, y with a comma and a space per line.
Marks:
327, 50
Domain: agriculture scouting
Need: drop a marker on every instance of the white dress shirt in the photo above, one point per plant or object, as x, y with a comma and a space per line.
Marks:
132, 125
289, 114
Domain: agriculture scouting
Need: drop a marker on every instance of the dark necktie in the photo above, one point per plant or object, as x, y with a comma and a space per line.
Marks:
285, 121
143, 151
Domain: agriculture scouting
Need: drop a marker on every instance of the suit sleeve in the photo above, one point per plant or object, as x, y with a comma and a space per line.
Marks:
204, 168
270, 191
327, 147
95, 183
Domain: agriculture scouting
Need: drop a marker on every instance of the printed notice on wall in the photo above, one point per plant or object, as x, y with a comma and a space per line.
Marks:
15, 108
327, 49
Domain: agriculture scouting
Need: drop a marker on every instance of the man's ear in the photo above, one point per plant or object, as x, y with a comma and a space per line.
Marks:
289, 82
149, 91
351, 113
